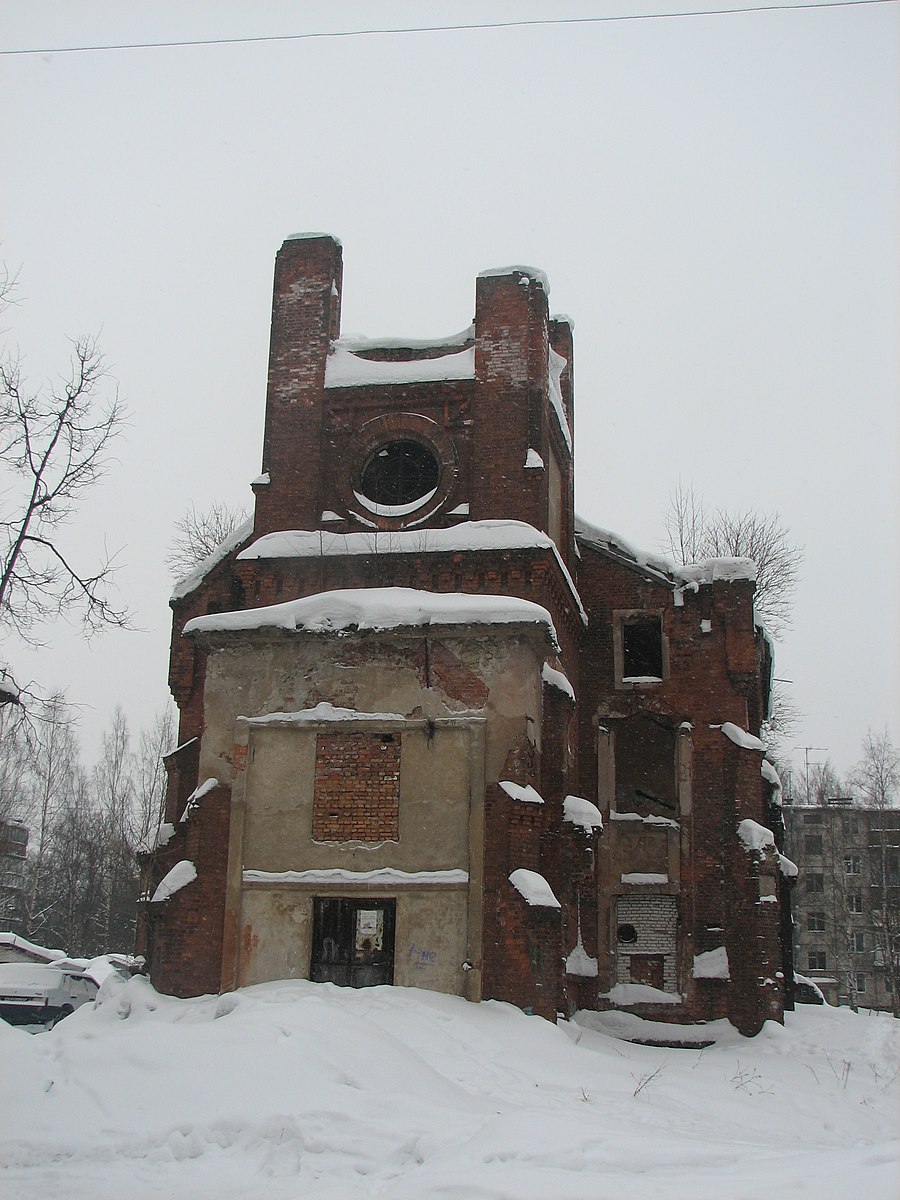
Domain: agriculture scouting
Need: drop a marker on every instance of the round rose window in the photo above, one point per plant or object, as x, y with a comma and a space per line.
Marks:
401, 473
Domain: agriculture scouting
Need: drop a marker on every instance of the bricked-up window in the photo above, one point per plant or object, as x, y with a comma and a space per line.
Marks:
642, 649
816, 960
399, 473
357, 790
815, 922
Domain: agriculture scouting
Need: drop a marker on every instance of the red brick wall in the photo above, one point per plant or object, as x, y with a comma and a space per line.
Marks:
357, 789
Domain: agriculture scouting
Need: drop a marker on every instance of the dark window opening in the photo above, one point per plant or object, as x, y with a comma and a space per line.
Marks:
353, 941
815, 922
642, 649
815, 882
399, 473
816, 960
644, 751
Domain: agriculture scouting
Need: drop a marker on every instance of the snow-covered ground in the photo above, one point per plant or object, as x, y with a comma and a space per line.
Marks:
292, 1090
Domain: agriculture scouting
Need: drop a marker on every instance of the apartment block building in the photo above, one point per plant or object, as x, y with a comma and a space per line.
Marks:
847, 900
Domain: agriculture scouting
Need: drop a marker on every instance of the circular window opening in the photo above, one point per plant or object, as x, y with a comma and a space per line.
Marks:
399, 473
626, 934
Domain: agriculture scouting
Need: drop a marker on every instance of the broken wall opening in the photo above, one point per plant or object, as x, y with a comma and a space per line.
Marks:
645, 767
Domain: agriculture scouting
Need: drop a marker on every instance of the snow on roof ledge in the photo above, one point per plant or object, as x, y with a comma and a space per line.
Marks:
526, 794
787, 867
582, 812
534, 273
534, 889
374, 609
343, 368
558, 680
180, 876
465, 537
185, 586
309, 237
754, 836
740, 737
691, 575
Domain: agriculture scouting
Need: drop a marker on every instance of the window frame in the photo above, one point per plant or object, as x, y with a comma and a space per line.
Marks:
622, 618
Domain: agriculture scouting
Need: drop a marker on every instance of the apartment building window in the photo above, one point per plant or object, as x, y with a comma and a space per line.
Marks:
855, 899
853, 864
850, 824
815, 882
816, 960
858, 942
812, 843
861, 982
815, 922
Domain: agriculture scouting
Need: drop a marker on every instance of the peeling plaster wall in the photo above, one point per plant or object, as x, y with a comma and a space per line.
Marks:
458, 705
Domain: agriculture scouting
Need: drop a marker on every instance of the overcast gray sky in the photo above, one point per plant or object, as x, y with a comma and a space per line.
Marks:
714, 199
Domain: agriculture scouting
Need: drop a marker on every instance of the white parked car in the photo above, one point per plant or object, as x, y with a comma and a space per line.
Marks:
37, 995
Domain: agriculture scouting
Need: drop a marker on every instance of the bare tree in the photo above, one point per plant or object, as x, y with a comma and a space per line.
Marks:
877, 774
52, 760
150, 778
200, 534
54, 446
693, 534
819, 785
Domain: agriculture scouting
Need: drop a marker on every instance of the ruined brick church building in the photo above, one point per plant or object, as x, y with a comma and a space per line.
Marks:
436, 731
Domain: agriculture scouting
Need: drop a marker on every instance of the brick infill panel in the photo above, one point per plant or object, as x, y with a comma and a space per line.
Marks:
357, 790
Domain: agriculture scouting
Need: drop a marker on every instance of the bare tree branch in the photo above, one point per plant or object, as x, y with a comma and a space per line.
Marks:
198, 534
693, 534
54, 447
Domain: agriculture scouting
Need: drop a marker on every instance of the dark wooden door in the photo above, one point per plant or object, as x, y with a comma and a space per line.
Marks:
353, 941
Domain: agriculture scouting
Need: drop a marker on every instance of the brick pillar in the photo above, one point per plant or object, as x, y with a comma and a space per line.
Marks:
561, 342
510, 406
306, 309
